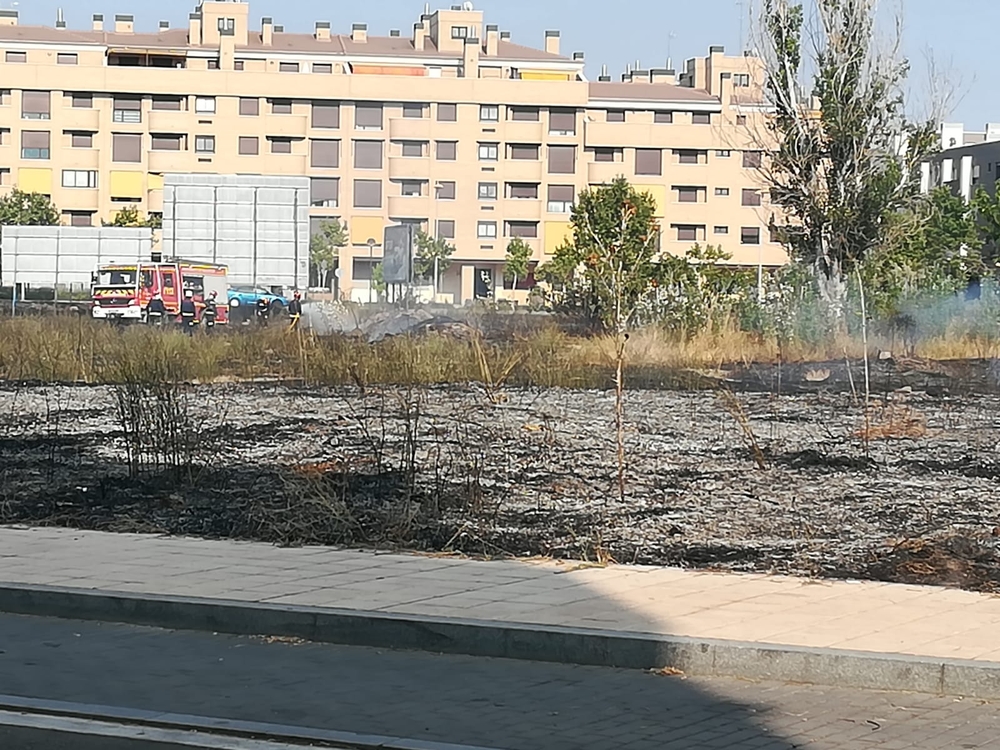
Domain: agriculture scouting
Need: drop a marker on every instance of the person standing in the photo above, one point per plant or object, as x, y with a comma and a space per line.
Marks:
211, 312
263, 310
295, 311
156, 311
189, 313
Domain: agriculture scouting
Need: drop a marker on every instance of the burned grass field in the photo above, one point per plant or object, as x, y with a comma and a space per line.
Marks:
734, 477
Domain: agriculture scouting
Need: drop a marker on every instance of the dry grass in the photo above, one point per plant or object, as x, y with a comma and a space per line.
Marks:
893, 422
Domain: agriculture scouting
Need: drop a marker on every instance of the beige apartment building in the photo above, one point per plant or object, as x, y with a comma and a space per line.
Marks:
451, 125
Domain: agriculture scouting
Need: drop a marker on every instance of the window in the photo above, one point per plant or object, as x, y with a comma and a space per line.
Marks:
204, 105
66, 58
522, 152
35, 105
281, 145
487, 191
741, 119
79, 178
751, 197
686, 232
752, 159
413, 111
562, 159
447, 150
701, 118
522, 191
82, 140
720, 230
326, 115
445, 190
724, 153
488, 151
459, 32
687, 156
204, 144
322, 67
325, 154
750, 236
83, 101
166, 103
126, 147
288, 67
527, 229
368, 116
741, 80
249, 145
562, 121
446, 229
687, 194
368, 154
239, 64
368, 194
81, 219
413, 148
249, 107
227, 25
163, 142
16, 57
722, 192
213, 63
447, 112
281, 106
523, 114
616, 115
648, 161
604, 154
561, 198
411, 188
663, 117
324, 191
486, 230
489, 113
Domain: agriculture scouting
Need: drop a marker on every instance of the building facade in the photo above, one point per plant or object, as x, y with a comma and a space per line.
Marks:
451, 126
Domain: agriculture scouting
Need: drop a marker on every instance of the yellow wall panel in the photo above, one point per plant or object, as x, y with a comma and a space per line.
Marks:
127, 184
35, 180
555, 233
659, 193
155, 182
364, 227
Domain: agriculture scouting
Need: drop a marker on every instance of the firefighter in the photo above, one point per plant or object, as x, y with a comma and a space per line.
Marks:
156, 311
189, 313
295, 311
263, 310
211, 312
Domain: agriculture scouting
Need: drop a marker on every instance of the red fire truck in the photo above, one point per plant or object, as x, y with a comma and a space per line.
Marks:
121, 291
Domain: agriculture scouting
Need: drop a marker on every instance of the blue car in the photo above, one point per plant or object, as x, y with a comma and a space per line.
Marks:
246, 297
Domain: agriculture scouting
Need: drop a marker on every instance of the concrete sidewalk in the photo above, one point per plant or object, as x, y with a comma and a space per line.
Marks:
857, 617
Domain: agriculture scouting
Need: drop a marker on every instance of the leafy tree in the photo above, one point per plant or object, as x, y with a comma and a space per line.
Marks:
27, 209
433, 258
130, 216
324, 250
987, 208
517, 261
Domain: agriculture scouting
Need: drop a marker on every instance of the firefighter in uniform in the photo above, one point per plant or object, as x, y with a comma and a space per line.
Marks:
295, 311
211, 312
156, 311
189, 313
263, 310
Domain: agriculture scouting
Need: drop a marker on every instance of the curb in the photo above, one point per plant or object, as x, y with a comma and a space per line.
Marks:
565, 645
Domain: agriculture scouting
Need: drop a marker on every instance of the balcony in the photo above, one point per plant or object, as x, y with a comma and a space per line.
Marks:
72, 118
601, 172
409, 206
523, 132
521, 171
286, 125
521, 209
403, 167
79, 158
169, 161
410, 128
79, 199
170, 121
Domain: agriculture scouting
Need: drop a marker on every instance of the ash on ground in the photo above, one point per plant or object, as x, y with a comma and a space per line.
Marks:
905, 492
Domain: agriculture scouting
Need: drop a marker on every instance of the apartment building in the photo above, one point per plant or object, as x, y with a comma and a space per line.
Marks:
452, 126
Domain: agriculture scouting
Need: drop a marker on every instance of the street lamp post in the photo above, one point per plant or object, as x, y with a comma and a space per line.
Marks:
371, 268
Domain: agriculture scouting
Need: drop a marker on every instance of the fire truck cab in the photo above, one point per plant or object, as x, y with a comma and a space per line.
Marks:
122, 291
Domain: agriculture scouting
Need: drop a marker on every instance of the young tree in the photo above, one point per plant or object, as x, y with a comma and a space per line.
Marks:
130, 216
324, 250
612, 254
844, 157
517, 261
27, 209
432, 259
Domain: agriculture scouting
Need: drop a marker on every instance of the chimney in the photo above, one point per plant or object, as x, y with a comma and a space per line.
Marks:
470, 58
164, 25
194, 28
359, 33
716, 50
266, 31
98, 22
394, 33
60, 19
662, 75
8, 18
279, 28
323, 31
604, 77
124, 24
227, 49
504, 36
725, 87
552, 42
492, 40
578, 57
419, 35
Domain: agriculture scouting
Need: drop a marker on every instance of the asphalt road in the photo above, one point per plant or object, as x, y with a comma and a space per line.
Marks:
492, 703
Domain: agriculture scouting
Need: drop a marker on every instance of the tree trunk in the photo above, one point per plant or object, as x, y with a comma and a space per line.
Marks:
620, 411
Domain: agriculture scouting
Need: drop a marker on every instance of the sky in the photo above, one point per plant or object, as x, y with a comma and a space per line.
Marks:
960, 33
